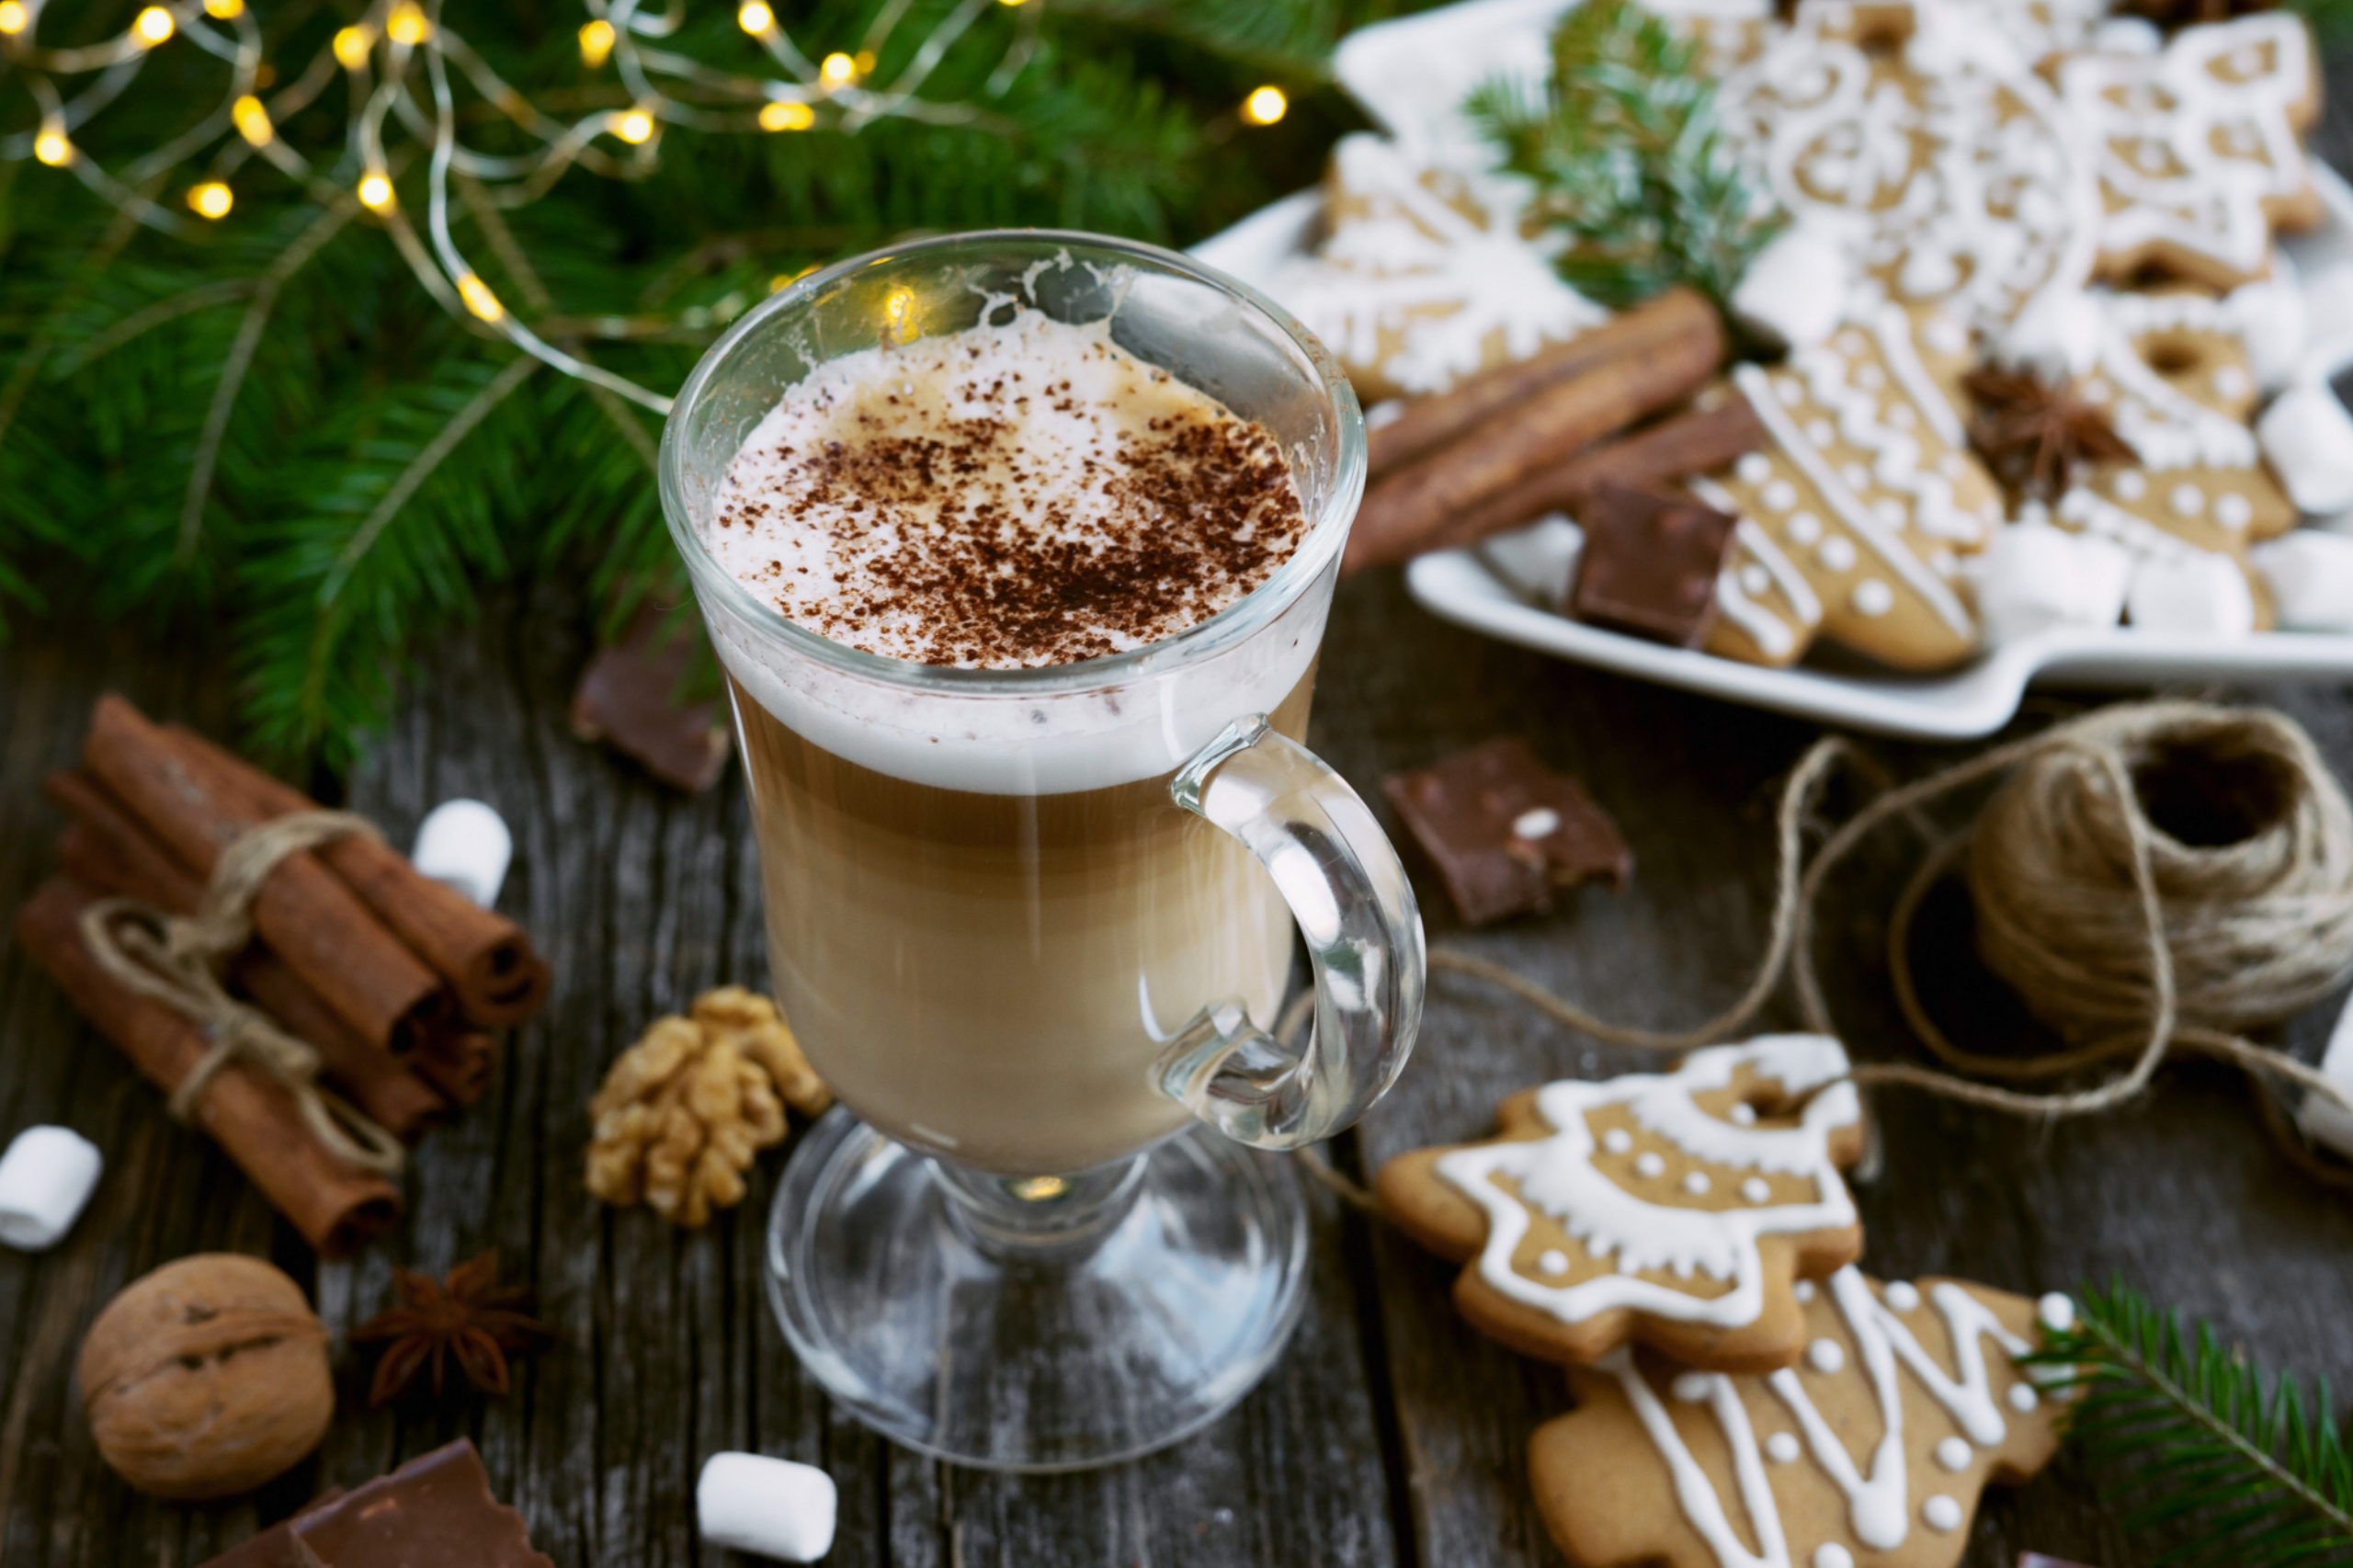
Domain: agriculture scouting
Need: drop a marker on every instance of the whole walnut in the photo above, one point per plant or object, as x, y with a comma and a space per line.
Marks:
206, 1377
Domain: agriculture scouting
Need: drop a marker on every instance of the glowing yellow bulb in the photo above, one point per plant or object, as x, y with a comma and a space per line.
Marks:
407, 25
210, 200
351, 47
51, 148
225, 10
864, 60
899, 312
837, 68
252, 120
1008, 2
787, 117
479, 298
376, 194
153, 25
596, 42
13, 16
634, 128
754, 17
1265, 107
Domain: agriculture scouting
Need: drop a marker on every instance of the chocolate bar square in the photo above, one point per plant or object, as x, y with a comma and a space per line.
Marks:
1650, 563
1505, 832
437, 1508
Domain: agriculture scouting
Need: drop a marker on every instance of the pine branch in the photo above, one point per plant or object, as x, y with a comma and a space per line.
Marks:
2240, 1476
1628, 161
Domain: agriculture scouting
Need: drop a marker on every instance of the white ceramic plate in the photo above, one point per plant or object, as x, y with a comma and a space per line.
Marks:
1500, 589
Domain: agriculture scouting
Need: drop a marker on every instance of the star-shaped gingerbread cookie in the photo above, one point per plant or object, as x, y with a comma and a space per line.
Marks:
1875, 1448
1676, 1210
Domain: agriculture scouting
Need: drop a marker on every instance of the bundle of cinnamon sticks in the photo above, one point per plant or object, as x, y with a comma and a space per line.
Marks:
1512, 443
397, 978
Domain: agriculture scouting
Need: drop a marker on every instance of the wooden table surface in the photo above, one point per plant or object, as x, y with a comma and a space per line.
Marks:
1389, 1434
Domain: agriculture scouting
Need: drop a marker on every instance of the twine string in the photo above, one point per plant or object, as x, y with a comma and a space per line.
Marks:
178, 960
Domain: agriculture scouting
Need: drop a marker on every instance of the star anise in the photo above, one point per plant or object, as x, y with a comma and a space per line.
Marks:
470, 1317
2032, 433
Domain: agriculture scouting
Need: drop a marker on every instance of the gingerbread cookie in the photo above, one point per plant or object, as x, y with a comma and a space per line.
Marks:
1861, 503
2199, 148
1914, 131
1424, 277
1676, 1210
1874, 1449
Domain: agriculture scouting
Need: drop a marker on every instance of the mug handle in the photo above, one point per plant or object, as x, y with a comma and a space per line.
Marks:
1337, 870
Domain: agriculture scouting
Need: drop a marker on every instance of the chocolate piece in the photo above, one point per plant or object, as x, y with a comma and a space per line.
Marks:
276, 1546
1650, 563
628, 697
437, 1508
1504, 831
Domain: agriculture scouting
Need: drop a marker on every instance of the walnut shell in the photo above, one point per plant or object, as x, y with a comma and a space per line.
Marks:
206, 1377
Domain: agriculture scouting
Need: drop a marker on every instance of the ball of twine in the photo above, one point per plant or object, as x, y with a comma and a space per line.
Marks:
2247, 843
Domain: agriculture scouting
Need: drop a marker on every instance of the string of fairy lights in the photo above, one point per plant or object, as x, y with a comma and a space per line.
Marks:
404, 63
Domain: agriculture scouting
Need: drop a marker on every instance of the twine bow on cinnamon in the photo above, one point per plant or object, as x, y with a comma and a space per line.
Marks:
177, 961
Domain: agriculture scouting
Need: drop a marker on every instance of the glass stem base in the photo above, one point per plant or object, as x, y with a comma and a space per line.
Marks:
1046, 1324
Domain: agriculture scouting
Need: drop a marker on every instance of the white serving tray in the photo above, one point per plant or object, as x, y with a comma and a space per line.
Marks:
1466, 587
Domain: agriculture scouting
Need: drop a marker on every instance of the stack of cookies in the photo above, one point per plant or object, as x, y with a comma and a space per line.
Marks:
2031, 358
1685, 1244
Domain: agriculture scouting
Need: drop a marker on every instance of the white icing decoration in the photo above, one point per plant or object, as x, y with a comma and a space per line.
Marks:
1618, 1141
1757, 1190
2023, 1397
1734, 599
2167, 427
1783, 1448
1955, 1454
2188, 500
2233, 511
2232, 382
1903, 1295
2055, 1312
2130, 485
1830, 1555
1804, 1290
1693, 1490
1804, 528
1942, 1513
1742, 1114
1696, 1183
1649, 1165
1821, 432
1872, 597
1836, 554
1780, 495
1690, 1387
1826, 1356
1556, 1175
1753, 467
1754, 581
1552, 1260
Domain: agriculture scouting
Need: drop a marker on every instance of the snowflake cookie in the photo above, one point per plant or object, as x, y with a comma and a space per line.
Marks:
2198, 147
1855, 513
1679, 1209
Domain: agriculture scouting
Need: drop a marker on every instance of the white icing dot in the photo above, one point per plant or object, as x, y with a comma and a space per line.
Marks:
2187, 499
1753, 467
1821, 433
1830, 1555
1942, 1513
1889, 510
2023, 1397
1953, 465
1955, 1454
1756, 581
2056, 1311
1849, 339
1826, 1356
1857, 476
1540, 823
1804, 1290
2098, 391
1780, 496
1696, 1183
1781, 1447
1648, 1164
1616, 1139
1552, 1260
1742, 1114
1757, 1190
1872, 597
2232, 382
2130, 485
1901, 416
1836, 554
1870, 378
1789, 392
1945, 335
1804, 528
2152, 157
2233, 510
1903, 1296
1691, 1387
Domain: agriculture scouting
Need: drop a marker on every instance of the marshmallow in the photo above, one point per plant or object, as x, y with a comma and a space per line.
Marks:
2325, 1121
2060, 333
2311, 577
2275, 327
2195, 592
2308, 436
2032, 577
770, 1506
466, 845
45, 1178
2328, 301
1795, 289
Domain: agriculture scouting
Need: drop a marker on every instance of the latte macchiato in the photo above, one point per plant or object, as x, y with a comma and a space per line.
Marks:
985, 913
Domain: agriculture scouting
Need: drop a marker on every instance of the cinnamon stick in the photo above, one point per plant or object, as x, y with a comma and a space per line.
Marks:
459, 1062
304, 913
1651, 357
1675, 448
485, 958
105, 848
338, 1209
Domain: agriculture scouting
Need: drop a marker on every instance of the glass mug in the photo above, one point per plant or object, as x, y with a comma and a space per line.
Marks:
1034, 925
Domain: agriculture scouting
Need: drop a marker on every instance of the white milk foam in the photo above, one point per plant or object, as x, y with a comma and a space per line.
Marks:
994, 742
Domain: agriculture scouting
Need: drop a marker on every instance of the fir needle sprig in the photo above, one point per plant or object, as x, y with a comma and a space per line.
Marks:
1628, 161
2186, 1432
